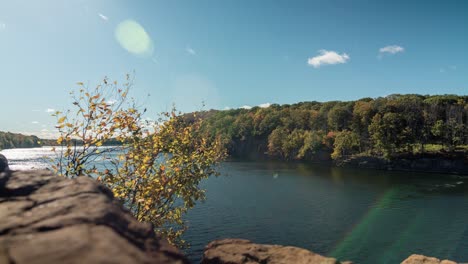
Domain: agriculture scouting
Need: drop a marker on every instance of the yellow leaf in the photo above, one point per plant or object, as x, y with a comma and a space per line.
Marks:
61, 120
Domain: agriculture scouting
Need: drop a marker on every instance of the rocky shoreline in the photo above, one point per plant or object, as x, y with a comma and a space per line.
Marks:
458, 165
443, 163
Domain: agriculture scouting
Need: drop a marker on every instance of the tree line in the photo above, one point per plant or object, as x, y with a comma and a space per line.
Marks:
385, 126
15, 140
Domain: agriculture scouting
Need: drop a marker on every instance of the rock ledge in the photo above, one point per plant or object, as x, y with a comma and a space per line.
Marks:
49, 219
234, 251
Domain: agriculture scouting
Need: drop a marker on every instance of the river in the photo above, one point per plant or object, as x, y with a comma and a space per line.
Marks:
365, 216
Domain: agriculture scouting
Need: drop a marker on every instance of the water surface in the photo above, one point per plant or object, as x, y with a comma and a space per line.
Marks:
361, 215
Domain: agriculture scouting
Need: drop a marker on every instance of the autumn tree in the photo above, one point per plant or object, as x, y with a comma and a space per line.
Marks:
276, 140
158, 166
312, 143
388, 126
346, 142
387, 133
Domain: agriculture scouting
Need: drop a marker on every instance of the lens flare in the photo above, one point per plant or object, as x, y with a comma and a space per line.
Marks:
134, 38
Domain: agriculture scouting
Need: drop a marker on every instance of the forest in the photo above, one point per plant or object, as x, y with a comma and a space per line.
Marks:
10, 140
386, 127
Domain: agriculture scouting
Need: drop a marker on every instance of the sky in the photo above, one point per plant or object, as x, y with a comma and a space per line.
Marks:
211, 54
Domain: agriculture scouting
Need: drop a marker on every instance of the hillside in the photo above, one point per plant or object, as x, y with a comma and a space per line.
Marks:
385, 127
15, 140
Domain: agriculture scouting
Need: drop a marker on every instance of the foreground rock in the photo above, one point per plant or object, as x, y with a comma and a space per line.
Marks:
241, 251
420, 259
3, 163
236, 251
48, 219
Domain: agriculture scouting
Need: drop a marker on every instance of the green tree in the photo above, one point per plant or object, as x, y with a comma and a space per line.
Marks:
363, 112
313, 142
293, 143
339, 116
387, 133
346, 142
276, 140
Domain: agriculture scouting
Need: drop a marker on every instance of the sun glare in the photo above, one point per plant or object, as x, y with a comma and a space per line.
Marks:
134, 38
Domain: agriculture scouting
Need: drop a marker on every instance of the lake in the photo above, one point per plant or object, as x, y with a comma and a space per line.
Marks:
365, 216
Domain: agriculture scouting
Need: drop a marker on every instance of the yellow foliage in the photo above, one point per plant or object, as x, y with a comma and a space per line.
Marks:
61, 120
151, 170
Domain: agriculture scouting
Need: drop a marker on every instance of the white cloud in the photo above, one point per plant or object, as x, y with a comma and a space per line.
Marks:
246, 107
50, 110
103, 17
44, 130
392, 49
227, 108
328, 57
265, 105
35, 122
190, 51
111, 102
2, 26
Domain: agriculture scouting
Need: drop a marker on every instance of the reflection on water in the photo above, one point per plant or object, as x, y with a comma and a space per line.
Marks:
366, 216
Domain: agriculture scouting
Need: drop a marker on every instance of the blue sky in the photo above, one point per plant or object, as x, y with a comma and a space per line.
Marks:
226, 53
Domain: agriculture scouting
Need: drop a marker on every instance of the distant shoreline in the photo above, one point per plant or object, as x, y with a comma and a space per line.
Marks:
434, 164
430, 163
437, 164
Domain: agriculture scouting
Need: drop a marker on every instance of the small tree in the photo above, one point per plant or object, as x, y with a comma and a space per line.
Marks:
96, 119
156, 169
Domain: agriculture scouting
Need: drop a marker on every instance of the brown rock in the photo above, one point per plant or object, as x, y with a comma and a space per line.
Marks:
48, 219
234, 251
420, 259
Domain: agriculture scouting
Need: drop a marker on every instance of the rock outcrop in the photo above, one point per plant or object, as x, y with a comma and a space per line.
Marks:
237, 251
420, 259
49, 219
241, 251
3, 163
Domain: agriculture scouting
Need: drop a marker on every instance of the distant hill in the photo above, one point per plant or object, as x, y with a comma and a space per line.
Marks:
15, 140
10, 140
385, 126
